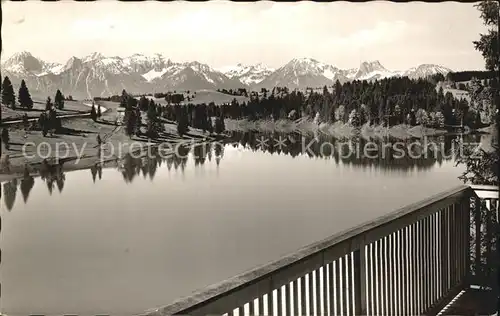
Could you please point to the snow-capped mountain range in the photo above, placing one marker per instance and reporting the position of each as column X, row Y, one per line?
column 248, row 75
column 98, row 75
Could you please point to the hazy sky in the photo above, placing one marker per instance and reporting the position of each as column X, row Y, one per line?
column 222, row 33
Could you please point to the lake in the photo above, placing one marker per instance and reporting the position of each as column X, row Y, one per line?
column 120, row 241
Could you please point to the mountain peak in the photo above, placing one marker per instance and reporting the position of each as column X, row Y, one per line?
column 93, row 56
column 425, row 70
column 304, row 60
column 372, row 70
column 23, row 62
column 72, row 62
column 372, row 65
column 431, row 66
column 23, row 54
column 19, row 57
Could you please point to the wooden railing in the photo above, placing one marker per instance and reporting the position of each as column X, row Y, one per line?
column 410, row 262
column 484, row 235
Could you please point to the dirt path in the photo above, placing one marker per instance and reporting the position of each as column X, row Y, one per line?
column 70, row 107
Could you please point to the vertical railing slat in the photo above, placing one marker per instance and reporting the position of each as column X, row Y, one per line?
column 489, row 239
column 384, row 276
column 345, row 284
column 317, row 294
column 311, row 293
column 453, row 244
column 442, row 249
column 459, row 245
column 397, row 286
column 279, row 301
column 331, row 281
column 270, row 304
column 338, row 286
column 379, row 278
column 467, row 228
column 414, row 268
column 370, row 278
column 462, row 243
column 295, row 309
column 260, row 306
column 325, row 289
column 251, row 308
column 239, row 311
column 421, row 262
column 477, row 237
column 360, row 286
column 288, row 300
column 432, row 261
column 303, row 296
column 403, row 273
column 390, row 275
column 449, row 243
column 423, row 251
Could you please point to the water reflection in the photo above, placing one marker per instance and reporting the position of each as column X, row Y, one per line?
column 389, row 154
column 382, row 155
column 27, row 184
column 53, row 174
column 96, row 170
column 131, row 167
column 9, row 190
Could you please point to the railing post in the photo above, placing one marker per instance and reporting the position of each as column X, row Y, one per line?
column 498, row 258
column 360, row 281
column 477, row 237
column 467, row 211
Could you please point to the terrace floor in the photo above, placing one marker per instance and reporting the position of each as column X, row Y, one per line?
column 473, row 302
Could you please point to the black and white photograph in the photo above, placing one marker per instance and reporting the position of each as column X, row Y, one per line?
column 258, row 158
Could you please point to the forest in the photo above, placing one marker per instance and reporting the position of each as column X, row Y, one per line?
column 468, row 75
column 386, row 102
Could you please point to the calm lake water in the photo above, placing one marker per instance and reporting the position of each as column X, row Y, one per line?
column 119, row 242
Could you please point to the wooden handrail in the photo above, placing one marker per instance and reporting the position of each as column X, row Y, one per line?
column 245, row 287
column 481, row 187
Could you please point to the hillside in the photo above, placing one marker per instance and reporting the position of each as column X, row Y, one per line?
column 203, row 96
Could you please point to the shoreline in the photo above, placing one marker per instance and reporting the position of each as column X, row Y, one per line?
column 338, row 130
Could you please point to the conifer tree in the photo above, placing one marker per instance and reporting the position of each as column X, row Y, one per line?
column 182, row 120
column 153, row 126
column 210, row 127
column 219, row 124
column 59, row 100
column 24, row 96
column 48, row 104
column 8, row 97
column 124, row 99
column 488, row 44
column 93, row 113
column 143, row 103
column 54, row 121
column 99, row 113
column 130, row 121
column 5, row 137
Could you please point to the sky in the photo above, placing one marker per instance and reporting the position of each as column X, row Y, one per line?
column 223, row 33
